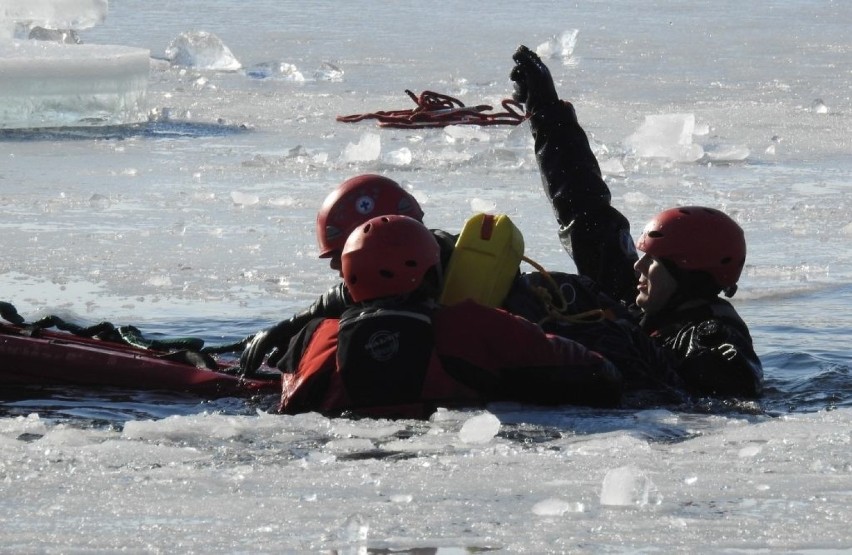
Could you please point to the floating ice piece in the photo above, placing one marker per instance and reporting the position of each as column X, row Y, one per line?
column 47, row 84
column 159, row 281
column 749, row 451
column 54, row 14
column 355, row 529
column 401, row 157
column 559, row 46
column 613, row 166
column 99, row 202
column 201, row 50
column 283, row 202
column 726, row 153
column 626, row 486
column 368, row 149
column 465, row 134
column 819, row 107
column 328, row 72
column 701, row 129
column 637, row 198
column 557, row 507
column 482, row 205
column 480, row 429
column 276, row 70
column 666, row 136
column 244, row 199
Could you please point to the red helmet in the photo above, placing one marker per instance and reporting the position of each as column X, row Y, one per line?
column 387, row 256
column 697, row 238
column 354, row 202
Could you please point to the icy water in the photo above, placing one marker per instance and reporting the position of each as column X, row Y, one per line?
column 201, row 224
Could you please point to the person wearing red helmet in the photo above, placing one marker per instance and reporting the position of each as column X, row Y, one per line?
column 396, row 353
column 355, row 201
column 691, row 254
column 352, row 203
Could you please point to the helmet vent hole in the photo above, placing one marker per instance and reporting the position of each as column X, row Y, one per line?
column 654, row 234
column 411, row 263
column 726, row 260
column 386, row 274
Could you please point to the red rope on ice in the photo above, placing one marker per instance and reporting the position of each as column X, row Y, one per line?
column 439, row 110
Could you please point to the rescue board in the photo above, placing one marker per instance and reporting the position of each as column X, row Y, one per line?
column 56, row 358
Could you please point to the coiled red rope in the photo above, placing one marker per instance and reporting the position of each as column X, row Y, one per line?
column 440, row 110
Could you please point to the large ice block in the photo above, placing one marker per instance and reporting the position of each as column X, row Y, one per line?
column 46, row 84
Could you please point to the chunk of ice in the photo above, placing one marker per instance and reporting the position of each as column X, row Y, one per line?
column 666, row 136
column 401, row 157
column 627, row 486
column 54, row 14
column 276, row 70
column 726, row 153
column 47, row 84
column 480, row 429
column 244, row 199
column 557, row 507
column 559, row 46
column 201, row 50
column 465, row 134
column 368, row 149
column 482, row 205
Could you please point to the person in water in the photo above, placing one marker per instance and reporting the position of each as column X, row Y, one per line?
column 690, row 254
column 396, row 352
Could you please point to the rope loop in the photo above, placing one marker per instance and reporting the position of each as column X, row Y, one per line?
column 555, row 304
column 440, row 110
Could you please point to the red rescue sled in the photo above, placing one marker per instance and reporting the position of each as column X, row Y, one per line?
column 54, row 358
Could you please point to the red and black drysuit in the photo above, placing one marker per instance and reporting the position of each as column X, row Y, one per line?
column 397, row 360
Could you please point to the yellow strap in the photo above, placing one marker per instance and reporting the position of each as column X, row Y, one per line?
column 557, row 312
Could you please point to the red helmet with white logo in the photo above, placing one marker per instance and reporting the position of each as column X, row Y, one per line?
column 696, row 238
column 388, row 256
column 354, row 202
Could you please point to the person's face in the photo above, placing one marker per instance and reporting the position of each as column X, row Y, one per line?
column 656, row 285
column 335, row 264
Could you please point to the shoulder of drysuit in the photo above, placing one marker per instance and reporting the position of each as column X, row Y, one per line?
column 709, row 315
column 330, row 304
column 714, row 347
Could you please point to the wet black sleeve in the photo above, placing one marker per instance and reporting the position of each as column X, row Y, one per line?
column 596, row 235
column 718, row 359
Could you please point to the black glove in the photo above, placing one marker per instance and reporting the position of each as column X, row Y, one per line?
column 533, row 83
column 10, row 314
column 264, row 341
